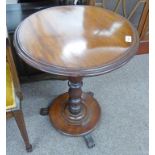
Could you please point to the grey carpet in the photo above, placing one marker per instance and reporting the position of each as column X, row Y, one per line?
column 123, row 130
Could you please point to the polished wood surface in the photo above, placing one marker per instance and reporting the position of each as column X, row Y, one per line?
column 75, row 124
column 76, row 40
column 136, row 13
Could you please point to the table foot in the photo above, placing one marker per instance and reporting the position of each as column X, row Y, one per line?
column 44, row 111
column 89, row 141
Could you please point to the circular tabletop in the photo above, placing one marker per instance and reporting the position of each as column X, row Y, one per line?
column 76, row 40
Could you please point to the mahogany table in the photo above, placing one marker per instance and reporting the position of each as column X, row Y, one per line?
column 76, row 42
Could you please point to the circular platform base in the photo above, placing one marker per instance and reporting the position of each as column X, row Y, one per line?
column 72, row 125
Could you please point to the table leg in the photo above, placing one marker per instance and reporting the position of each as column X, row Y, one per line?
column 75, row 113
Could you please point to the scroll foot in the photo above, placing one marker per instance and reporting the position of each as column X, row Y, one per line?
column 89, row 141
column 44, row 111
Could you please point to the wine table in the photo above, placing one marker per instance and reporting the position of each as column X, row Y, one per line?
column 76, row 42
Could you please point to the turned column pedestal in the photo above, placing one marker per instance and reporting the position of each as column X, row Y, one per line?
column 75, row 113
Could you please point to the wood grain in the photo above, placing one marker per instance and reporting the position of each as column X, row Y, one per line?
column 75, row 125
column 76, row 40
